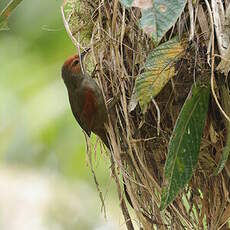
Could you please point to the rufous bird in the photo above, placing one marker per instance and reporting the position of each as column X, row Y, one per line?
column 86, row 101
column 85, row 97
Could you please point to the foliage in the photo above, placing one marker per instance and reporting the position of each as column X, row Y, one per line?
column 159, row 69
column 136, row 60
column 157, row 16
column 184, row 145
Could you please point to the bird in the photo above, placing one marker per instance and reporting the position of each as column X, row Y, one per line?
column 87, row 101
column 85, row 97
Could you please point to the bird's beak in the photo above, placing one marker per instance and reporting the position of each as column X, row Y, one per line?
column 84, row 53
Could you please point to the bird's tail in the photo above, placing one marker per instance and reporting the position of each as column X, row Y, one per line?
column 102, row 134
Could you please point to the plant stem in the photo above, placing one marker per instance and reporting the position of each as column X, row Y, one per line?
column 8, row 9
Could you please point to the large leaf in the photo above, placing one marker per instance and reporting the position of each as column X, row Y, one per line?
column 225, row 96
column 159, row 69
column 158, row 16
column 143, row 4
column 184, row 144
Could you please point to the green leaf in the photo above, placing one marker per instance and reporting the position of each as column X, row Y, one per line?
column 127, row 3
column 158, row 16
column 161, row 17
column 184, row 144
column 159, row 69
column 143, row 4
column 225, row 96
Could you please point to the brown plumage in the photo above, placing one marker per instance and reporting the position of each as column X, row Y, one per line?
column 86, row 99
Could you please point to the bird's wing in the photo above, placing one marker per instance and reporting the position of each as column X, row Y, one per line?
column 84, row 107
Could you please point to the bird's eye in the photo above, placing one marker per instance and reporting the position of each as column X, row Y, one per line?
column 75, row 62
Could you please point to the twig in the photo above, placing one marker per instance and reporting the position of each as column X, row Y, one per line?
column 77, row 44
column 218, row 19
column 203, row 22
column 124, row 209
column 213, row 63
column 115, row 10
column 192, row 24
column 158, row 116
column 8, row 9
column 89, row 157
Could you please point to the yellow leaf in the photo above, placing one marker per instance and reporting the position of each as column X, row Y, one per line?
column 159, row 68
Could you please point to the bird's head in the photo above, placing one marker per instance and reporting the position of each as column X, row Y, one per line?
column 72, row 68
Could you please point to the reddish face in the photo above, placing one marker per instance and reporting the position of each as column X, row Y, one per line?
column 72, row 65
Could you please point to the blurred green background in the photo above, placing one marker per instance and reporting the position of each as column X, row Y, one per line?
column 41, row 146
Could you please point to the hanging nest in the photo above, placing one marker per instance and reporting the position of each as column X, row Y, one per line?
column 139, row 140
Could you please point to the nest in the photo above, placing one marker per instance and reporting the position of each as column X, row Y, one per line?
column 138, row 152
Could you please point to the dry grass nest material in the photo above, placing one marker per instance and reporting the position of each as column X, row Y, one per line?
column 118, row 52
